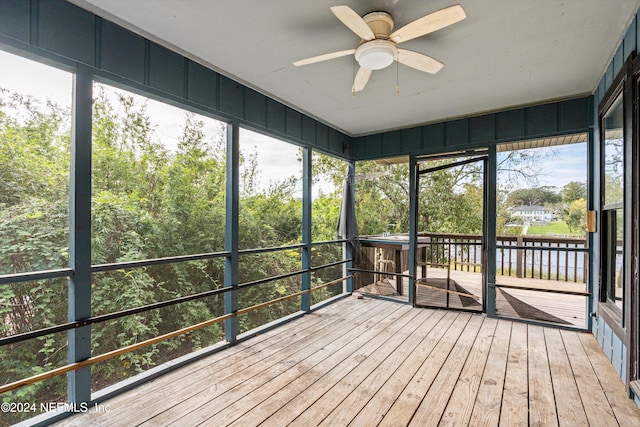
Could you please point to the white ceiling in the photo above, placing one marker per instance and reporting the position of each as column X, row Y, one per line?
column 506, row 53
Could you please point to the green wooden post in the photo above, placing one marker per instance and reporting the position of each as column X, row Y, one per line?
column 413, row 226
column 231, row 230
column 79, row 297
column 305, row 301
column 348, row 251
column 490, row 230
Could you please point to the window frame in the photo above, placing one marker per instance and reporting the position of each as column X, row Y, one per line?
column 616, row 318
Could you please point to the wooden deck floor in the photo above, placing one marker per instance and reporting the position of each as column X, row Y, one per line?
column 513, row 303
column 366, row 362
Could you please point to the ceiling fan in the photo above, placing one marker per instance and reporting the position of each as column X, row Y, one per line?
column 378, row 46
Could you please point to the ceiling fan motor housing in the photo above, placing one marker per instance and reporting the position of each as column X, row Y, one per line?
column 380, row 23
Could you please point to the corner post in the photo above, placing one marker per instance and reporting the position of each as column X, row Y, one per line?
column 491, row 184
column 305, row 301
column 413, row 226
column 348, row 251
column 79, row 297
column 231, row 230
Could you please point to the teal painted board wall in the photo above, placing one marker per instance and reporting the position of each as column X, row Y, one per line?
column 60, row 27
column 121, row 51
column 555, row 118
column 14, row 19
column 612, row 347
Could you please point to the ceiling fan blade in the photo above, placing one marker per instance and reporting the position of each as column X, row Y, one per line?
column 353, row 21
column 419, row 61
column 429, row 23
column 324, row 57
column 362, row 77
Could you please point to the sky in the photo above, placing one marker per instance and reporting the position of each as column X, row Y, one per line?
column 558, row 166
column 277, row 160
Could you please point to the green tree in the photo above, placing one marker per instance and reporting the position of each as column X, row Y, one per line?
column 148, row 201
column 573, row 191
column 34, row 184
column 545, row 195
column 574, row 215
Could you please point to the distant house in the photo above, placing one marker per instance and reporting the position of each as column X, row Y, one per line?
column 533, row 213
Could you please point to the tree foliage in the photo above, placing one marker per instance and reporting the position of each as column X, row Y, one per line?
column 573, row 191
column 574, row 215
column 533, row 196
column 149, row 200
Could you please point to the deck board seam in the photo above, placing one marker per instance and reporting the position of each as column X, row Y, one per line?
column 480, row 374
column 390, row 355
column 355, row 351
column 448, row 353
column 342, row 336
column 274, row 355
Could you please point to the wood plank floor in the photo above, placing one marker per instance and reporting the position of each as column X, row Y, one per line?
column 512, row 303
column 366, row 362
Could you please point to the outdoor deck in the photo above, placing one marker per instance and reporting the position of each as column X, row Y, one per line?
column 371, row 362
column 549, row 307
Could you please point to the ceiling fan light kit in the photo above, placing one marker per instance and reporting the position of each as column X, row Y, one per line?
column 378, row 45
column 376, row 54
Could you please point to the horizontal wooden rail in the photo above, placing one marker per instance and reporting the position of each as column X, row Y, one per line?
column 472, row 264
column 543, row 248
column 119, row 352
column 432, row 264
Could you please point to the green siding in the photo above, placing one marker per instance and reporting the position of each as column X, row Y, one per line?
column 432, row 135
column 322, row 136
column 166, row 70
column 255, row 107
column 66, row 30
column 411, row 139
column 511, row 124
column 203, row 85
column 294, row 123
column 231, row 97
column 545, row 120
column 15, row 19
column 308, row 129
column 276, row 116
column 541, row 120
column 483, row 129
column 121, row 52
column 456, row 133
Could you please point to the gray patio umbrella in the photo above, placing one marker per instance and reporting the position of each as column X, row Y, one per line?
column 347, row 227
